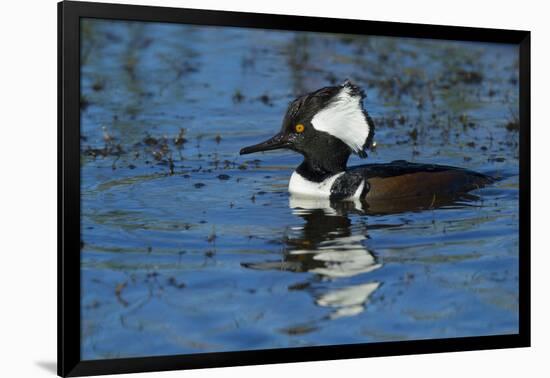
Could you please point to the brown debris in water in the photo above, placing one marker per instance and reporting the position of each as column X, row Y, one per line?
column 118, row 293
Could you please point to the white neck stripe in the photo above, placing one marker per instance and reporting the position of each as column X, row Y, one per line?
column 300, row 186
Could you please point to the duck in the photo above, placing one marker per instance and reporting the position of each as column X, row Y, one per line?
column 330, row 124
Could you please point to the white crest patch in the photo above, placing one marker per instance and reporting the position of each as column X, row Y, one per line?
column 343, row 118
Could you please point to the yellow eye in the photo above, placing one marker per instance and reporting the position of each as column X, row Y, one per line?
column 299, row 128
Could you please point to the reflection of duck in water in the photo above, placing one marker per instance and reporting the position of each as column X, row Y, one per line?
column 329, row 246
column 330, row 124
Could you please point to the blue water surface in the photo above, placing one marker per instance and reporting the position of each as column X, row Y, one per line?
column 188, row 247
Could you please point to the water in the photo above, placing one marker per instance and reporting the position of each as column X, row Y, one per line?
column 188, row 247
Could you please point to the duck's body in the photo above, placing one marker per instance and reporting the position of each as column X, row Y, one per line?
column 396, row 180
column 330, row 124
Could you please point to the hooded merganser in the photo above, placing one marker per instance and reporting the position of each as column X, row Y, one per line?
column 327, row 126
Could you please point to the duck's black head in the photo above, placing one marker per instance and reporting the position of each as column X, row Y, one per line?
column 325, row 126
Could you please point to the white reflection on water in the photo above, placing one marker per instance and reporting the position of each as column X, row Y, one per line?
column 342, row 256
column 348, row 301
column 327, row 246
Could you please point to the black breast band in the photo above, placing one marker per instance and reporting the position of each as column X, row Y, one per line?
column 347, row 184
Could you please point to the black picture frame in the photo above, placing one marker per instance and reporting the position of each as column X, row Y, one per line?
column 69, row 15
